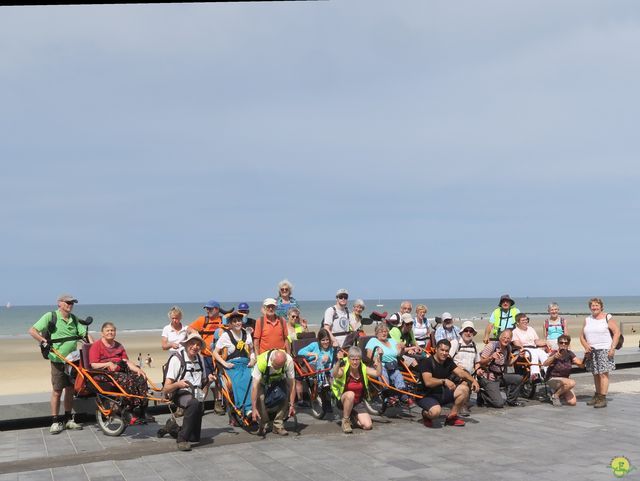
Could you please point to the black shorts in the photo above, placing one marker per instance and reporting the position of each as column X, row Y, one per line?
column 435, row 399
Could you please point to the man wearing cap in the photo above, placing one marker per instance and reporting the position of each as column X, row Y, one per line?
column 184, row 383
column 503, row 317
column 336, row 319
column 206, row 327
column 272, row 390
column 447, row 330
column 270, row 331
column 394, row 319
column 465, row 354
column 247, row 322
column 60, row 324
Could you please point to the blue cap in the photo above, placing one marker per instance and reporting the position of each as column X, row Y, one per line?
column 243, row 306
column 211, row 304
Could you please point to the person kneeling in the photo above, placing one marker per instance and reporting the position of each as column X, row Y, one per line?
column 439, row 389
column 273, row 390
column 351, row 385
column 559, row 370
column 184, row 383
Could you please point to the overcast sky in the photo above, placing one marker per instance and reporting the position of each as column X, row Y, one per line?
column 421, row 149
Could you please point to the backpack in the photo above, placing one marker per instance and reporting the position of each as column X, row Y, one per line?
column 620, row 339
column 182, row 371
column 563, row 325
column 51, row 328
column 334, row 317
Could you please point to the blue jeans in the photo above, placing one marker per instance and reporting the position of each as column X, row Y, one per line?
column 394, row 377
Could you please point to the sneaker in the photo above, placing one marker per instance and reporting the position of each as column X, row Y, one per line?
column 346, row 426
column 454, row 421
column 218, row 408
column 303, row 404
column 71, row 424
column 410, row 403
column 56, row 428
column 392, row 401
column 184, row 446
column 556, row 401
column 280, row 431
column 262, row 432
column 428, row 423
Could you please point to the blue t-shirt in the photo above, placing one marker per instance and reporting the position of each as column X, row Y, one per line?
column 389, row 354
column 282, row 308
column 314, row 348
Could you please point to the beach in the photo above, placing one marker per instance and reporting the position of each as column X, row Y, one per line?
column 26, row 372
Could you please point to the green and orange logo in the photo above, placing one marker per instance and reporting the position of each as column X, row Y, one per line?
column 621, row 466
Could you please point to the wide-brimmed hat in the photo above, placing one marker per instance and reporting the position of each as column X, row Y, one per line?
column 191, row 337
column 506, row 297
column 467, row 325
column 234, row 314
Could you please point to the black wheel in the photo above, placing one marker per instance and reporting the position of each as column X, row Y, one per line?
column 527, row 390
column 112, row 425
column 316, row 401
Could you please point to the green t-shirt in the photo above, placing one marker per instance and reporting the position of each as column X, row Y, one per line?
column 396, row 334
column 64, row 328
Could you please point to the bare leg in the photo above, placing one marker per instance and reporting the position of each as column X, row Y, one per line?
column 68, row 398
column 364, row 421
column 347, row 403
column 55, row 402
column 460, row 396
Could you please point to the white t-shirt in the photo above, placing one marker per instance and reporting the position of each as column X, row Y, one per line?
column 174, row 336
column 194, row 369
column 340, row 323
column 225, row 341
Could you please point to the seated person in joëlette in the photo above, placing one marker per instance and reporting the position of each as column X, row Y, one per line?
column 108, row 354
column 559, row 365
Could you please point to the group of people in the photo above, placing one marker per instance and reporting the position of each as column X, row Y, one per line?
column 257, row 355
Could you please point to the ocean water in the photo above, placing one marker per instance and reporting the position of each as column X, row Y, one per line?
column 16, row 320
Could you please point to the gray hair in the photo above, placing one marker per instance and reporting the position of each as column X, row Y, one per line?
column 175, row 310
column 552, row 305
column 285, row 283
column 354, row 351
column 293, row 310
column 358, row 302
column 381, row 326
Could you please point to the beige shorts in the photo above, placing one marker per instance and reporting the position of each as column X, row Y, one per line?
column 556, row 382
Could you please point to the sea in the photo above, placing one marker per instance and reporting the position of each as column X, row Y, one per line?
column 16, row 320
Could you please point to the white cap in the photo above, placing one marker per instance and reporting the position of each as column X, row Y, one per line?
column 406, row 318
column 342, row 291
column 270, row 301
column 446, row 315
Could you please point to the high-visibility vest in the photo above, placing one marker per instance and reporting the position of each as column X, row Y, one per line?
column 337, row 387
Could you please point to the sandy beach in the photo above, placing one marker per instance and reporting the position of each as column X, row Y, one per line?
column 26, row 372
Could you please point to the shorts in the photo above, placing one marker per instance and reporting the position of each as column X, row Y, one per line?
column 59, row 378
column 555, row 383
column 359, row 408
column 436, row 399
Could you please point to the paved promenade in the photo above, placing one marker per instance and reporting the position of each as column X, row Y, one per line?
column 538, row 442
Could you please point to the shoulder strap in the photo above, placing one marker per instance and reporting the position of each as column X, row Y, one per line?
column 563, row 323
column 546, row 326
column 335, row 313
column 51, row 327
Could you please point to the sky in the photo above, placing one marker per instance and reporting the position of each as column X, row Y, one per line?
column 419, row 149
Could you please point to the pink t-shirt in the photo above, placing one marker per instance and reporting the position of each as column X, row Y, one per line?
column 526, row 338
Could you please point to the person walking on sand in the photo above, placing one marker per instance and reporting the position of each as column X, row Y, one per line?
column 64, row 326
column 148, row 360
column 140, row 360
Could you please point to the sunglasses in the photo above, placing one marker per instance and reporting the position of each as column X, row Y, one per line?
column 342, row 296
column 270, row 306
column 471, row 331
column 294, row 316
column 563, row 342
column 284, row 289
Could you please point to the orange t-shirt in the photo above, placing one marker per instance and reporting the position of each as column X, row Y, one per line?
column 271, row 334
column 206, row 330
